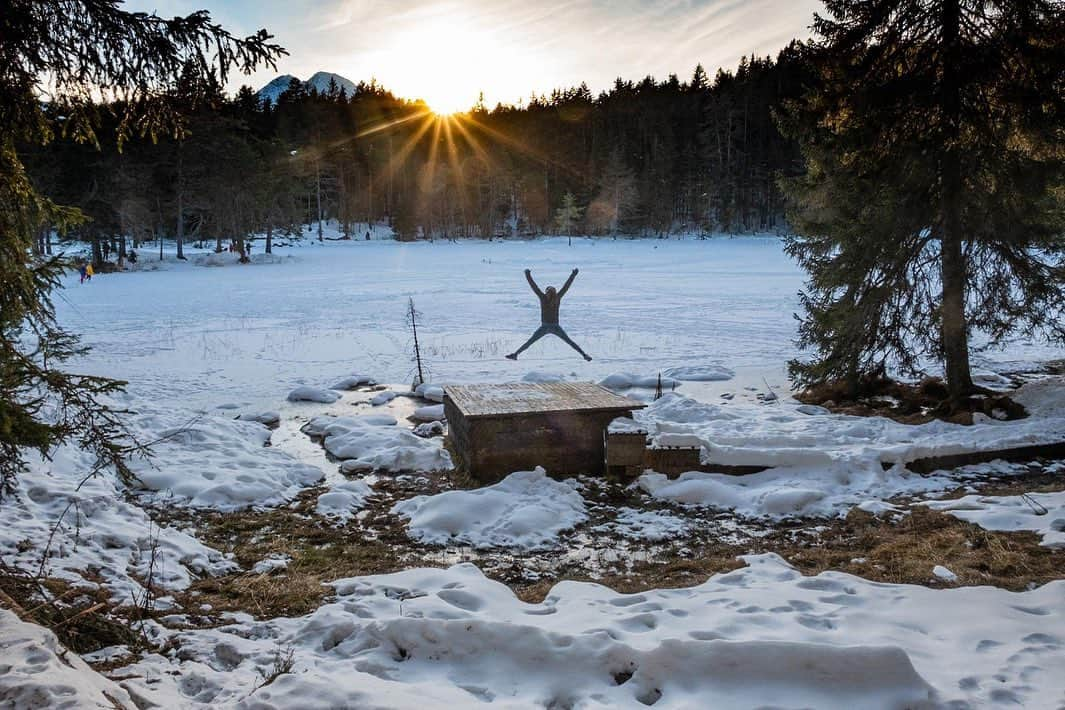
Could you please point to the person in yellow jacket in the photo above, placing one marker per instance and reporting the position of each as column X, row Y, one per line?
column 88, row 271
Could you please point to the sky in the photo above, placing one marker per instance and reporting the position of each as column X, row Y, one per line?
column 447, row 52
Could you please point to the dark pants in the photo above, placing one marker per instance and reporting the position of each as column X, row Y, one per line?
column 550, row 329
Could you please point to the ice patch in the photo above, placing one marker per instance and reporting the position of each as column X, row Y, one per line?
column 433, row 393
column 626, row 380
column 526, row 510
column 700, row 373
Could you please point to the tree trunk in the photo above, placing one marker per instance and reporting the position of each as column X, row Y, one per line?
column 269, row 239
column 318, row 194
column 180, row 234
column 954, row 329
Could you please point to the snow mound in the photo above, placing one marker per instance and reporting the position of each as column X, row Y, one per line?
column 627, row 380
column 306, row 393
column 370, row 443
column 1012, row 514
column 343, row 499
column 526, row 510
column 268, row 418
column 37, row 672
column 433, row 393
column 383, row 398
column 96, row 528
column 763, row 635
column 218, row 463
column 430, row 413
column 699, row 373
column 350, row 383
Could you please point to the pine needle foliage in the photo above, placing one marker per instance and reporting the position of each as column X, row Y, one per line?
column 933, row 205
column 60, row 62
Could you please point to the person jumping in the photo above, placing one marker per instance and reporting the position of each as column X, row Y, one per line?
column 549, row 303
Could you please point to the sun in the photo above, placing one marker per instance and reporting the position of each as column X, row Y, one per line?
column 447, row 61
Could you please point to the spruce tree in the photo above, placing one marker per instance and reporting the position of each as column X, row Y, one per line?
column 933, row 204
column 84, row 50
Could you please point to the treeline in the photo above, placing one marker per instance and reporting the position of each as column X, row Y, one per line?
column 644, row 158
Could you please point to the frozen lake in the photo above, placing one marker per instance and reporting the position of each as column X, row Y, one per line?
column 204, row 336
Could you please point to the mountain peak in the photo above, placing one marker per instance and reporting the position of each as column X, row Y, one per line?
column 319, row 82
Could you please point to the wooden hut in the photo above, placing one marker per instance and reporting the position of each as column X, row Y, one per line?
column 496, row 429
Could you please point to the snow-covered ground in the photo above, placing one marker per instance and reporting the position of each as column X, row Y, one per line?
column 233, row 369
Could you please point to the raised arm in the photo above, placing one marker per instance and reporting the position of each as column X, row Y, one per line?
column 535, row 288
column 569, row 282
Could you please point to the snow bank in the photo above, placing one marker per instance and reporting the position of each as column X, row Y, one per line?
column 343, row 500
column 374, row 443
column 214, row 462
column 526, row 510
column 700, row 373
column 97, row 529
column 825, row 464
column 763, row 635
column 383, row 398
column 37, row 672
column 1012, row 514
column 306, row 393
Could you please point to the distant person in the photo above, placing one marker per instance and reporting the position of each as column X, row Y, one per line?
column 549, row 304
column 367, row 236
column 82, row 272
column 132, row 257
column 88, row 271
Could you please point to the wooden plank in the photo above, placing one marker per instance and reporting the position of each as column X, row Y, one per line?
column 514, row 399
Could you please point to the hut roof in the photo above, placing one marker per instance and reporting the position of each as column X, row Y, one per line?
column 504, row 400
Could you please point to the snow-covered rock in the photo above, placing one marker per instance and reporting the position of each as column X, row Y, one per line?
column 369, row 443
column 306, row 393
column 526, row 510
column 942, row 573
column 36, row 671
column 429, row 429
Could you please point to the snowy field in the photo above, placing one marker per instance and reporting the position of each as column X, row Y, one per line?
column 259, row 383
